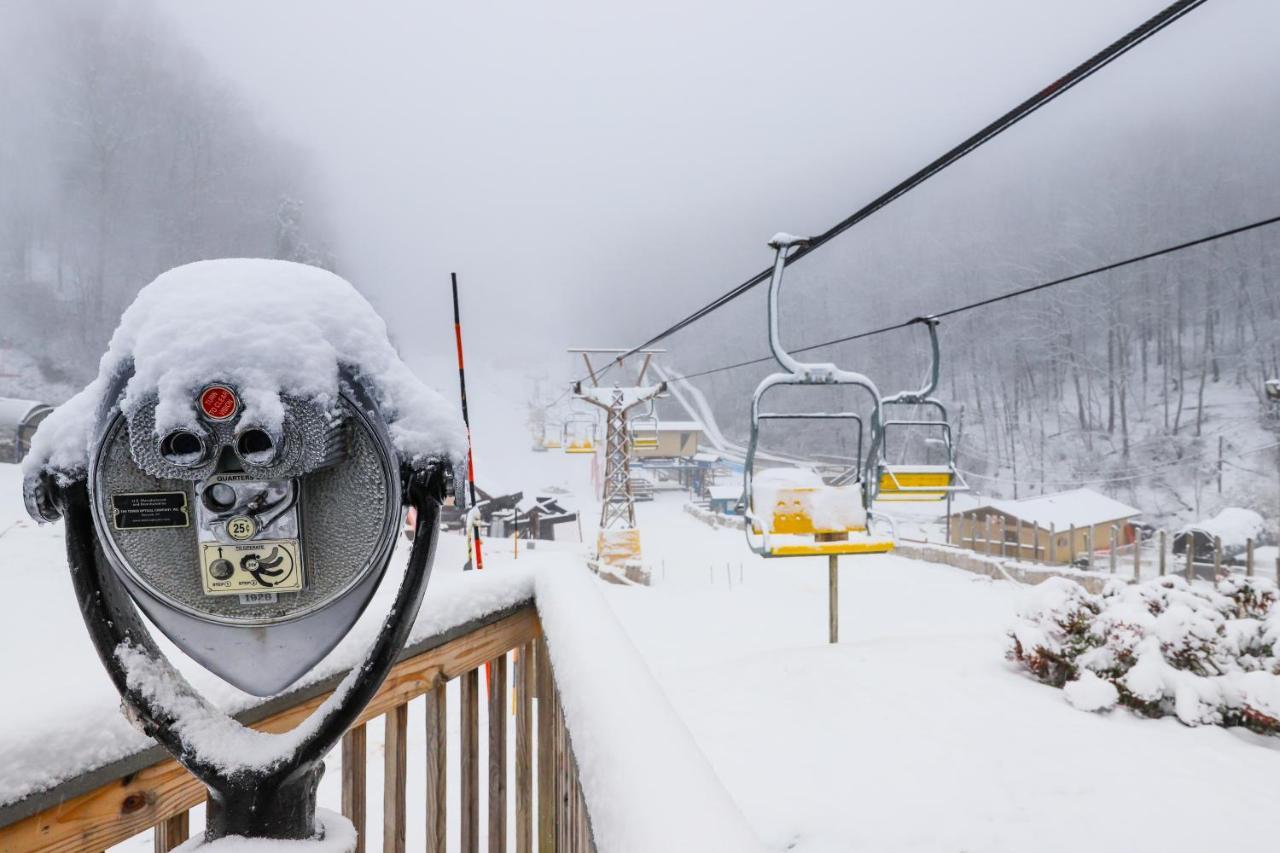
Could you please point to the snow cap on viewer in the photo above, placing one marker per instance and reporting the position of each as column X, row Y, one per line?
column 266, row 327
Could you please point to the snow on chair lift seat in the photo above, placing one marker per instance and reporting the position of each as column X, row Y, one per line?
column 793, row 512
column 917, row 481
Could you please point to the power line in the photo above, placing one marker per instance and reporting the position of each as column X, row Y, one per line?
column 1064, row 83
column 982, row 303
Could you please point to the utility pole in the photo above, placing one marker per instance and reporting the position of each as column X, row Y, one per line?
column 1272, row 387
column 1219, row 464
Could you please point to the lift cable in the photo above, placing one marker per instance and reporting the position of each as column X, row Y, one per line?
column 1082, row 71
column 982, row 303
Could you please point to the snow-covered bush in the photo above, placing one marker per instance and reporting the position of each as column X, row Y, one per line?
column 1209, row 655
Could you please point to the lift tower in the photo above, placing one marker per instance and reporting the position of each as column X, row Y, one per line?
column 618, row 542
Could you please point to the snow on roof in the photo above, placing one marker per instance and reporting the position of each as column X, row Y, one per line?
column 268, row 328
column 680, row 426
column 704, row 456
column 1079, row 507
column 14, row 411
column 725, row 493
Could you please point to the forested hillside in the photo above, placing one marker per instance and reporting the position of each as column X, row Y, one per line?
column 123, row 154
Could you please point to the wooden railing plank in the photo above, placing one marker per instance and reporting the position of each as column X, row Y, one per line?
column 469, row 782
column 395, row 816
column 354, row 768
column 497, row 703
column 109, row 815
column 437, row 768
column 524, row 675
column 135, row 803
column 171, row 832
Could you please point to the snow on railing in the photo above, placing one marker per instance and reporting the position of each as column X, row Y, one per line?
column 600, row 759
column 646, row 783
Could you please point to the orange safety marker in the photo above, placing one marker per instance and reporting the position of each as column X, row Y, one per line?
column 466, row 422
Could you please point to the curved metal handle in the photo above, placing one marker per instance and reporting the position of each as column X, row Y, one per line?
column 113, row 623
column 935, row 367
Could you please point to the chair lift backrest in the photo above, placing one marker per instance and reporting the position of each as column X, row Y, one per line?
column 795, row 510
column 578, row 433
column 644, row 429
column 916, row 482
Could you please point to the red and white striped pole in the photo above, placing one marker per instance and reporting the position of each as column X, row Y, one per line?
column 466, row 422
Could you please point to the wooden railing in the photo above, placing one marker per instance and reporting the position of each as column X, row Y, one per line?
column 150, row 792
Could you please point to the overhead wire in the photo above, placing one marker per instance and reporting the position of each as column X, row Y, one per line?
column 1043, row 96
column 1003, row 297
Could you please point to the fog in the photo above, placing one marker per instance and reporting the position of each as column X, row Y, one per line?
column 594, row 173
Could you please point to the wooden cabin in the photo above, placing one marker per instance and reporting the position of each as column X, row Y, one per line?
column 1056, row 528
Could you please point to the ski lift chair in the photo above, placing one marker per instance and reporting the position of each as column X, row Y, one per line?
column 579, row 433
column 917, row 481
column 790, row 512
column 551, row 438
column 644, row 430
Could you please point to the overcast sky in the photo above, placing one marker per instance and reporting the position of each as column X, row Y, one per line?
column 593, row 170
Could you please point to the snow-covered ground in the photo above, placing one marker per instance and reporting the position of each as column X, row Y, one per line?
column 912, row 734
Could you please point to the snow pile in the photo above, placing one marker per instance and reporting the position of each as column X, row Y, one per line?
column 644, row 779
column 266, row 327
column 1207, row 655
column 788, row 490
column 337, row 835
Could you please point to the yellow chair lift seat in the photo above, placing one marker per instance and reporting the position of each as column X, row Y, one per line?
column 828, row 513
column 644, row 442
column 905, row 483
column 584, row 446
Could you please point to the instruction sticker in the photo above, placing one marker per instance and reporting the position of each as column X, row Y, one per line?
column 149, row 510
column 267, row 566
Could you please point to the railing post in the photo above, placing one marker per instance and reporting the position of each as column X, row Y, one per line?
column 1053, row 543
column 1248, row 557
column 395, row 815
column 1071, row 544
column 498, row 755
column 1189, row 540
column 1137, row 555
column 546, row 751
column 1162, row 553
column 524, row 748
column 437, row 766
column 1217, row 558
column 469, row 783
column 1111, row 546
column 1092, row 542
column 561, row 783
column 170, row 833
column 354, row 758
